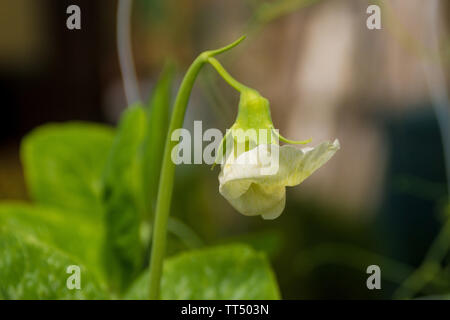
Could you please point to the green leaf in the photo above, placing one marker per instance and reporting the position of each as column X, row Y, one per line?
column 124, row 211
column 130, row 181
column 68, row 232
column 63, row 165
column 30, row 269
column 225, row 272
column 153, row 150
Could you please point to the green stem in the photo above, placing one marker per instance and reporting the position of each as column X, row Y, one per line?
column 168, row 169
column 240, row 87
column 430, row 267
column 226, row 76
column 290, row 141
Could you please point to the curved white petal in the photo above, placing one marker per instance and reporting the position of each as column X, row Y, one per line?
column 298, row 164
column 259, row 199
column 251, row 191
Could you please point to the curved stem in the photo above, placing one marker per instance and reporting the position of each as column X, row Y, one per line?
column 351, row 257
column 126, row 62
column 168, row 169
column 189, row 238
column 290, row 141
column 226, row 76
column 430, row 267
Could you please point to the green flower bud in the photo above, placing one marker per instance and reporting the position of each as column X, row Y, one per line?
column 253, row 125
column 253, row 112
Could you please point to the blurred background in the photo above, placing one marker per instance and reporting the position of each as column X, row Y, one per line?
column 383, row 198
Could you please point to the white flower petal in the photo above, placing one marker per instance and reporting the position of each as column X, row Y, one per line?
column 259, row 199
column 298, row 164
column 251, row 192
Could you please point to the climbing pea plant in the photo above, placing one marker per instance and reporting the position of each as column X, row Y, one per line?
column 93, row 190
column 101, row 203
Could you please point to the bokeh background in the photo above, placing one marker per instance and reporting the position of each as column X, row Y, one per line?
column 384, row 93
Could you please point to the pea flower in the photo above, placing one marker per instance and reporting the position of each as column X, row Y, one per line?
column 256, row 170
column 249, row 179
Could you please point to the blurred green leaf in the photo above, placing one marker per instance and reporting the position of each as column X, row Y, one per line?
column 225, row 272
column 124, row 211
column 153, row 149
column 30, row 269
column 68, row 232
column 130, row 183
column 63, row 165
